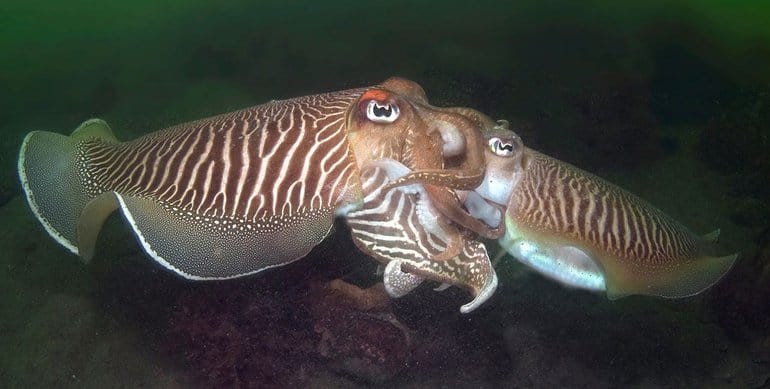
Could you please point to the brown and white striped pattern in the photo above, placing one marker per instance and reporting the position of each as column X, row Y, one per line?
column 277, row 159
column 395, row 225
column 559, row 198
column 388, row 226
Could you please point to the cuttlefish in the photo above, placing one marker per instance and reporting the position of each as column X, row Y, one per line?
column 400, row 226
column 241, row 192
column 585, row 232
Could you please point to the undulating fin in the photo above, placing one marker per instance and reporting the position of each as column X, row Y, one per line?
column 209, row 248
column 94, row 128
column 49, row 176
column 399, row 283
column 91, row 221
column 683, row 279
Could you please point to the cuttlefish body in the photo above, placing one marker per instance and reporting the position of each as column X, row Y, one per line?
column 257, row 188
column 585, row 232
column 401, row 227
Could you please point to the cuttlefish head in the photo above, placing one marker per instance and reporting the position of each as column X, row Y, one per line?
column 442, row 147
column 506, row 161
column 505, row 157
column 395, row 120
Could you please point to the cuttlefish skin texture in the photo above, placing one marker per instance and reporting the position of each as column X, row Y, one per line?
column 585, row 232
column 402, row 229
column 241, row 192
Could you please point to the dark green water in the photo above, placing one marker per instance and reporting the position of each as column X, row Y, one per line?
column 669, row 99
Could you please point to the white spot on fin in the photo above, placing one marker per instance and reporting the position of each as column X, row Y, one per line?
column 397, row 282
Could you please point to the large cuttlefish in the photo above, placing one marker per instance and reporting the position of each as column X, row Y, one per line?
column 585, row 232
column 253, row 189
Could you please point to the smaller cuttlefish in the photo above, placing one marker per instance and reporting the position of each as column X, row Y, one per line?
column 585, row 232
column 401, row 227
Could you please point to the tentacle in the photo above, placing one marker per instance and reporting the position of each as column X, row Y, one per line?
column 461, row 131
column 449, row 178
column 447, row 203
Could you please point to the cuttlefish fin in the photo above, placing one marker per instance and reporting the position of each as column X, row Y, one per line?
column 94, row 128
column 206, row 247
column 399, row 283
column 91, row 221
column 49, row 173
column 681, row 280
column 471, row 270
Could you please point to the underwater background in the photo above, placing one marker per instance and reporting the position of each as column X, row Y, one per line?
column 669, row 99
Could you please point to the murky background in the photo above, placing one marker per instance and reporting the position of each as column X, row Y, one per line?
column 668, row 99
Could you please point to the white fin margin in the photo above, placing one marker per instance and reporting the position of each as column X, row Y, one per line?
column 31, row 199
column 154, row 254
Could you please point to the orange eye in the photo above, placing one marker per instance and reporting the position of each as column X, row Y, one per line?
column 376, row 94
column 379, row 106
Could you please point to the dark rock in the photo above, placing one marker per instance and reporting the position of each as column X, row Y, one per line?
column 262, row 334
column 358, row 338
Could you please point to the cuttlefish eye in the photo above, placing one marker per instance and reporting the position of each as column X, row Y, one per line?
column 502, row 147
column 380, row 112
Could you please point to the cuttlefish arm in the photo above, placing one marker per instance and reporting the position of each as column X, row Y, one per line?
column 445, row 199
column 440, row 183
column 424, row 138
column 585, row 232
column 444, row 204
column 401, row 229
column 461, row 130
column 447, row 203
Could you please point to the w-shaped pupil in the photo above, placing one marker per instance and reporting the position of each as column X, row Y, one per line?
column 383, row 111
column 505, row 146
